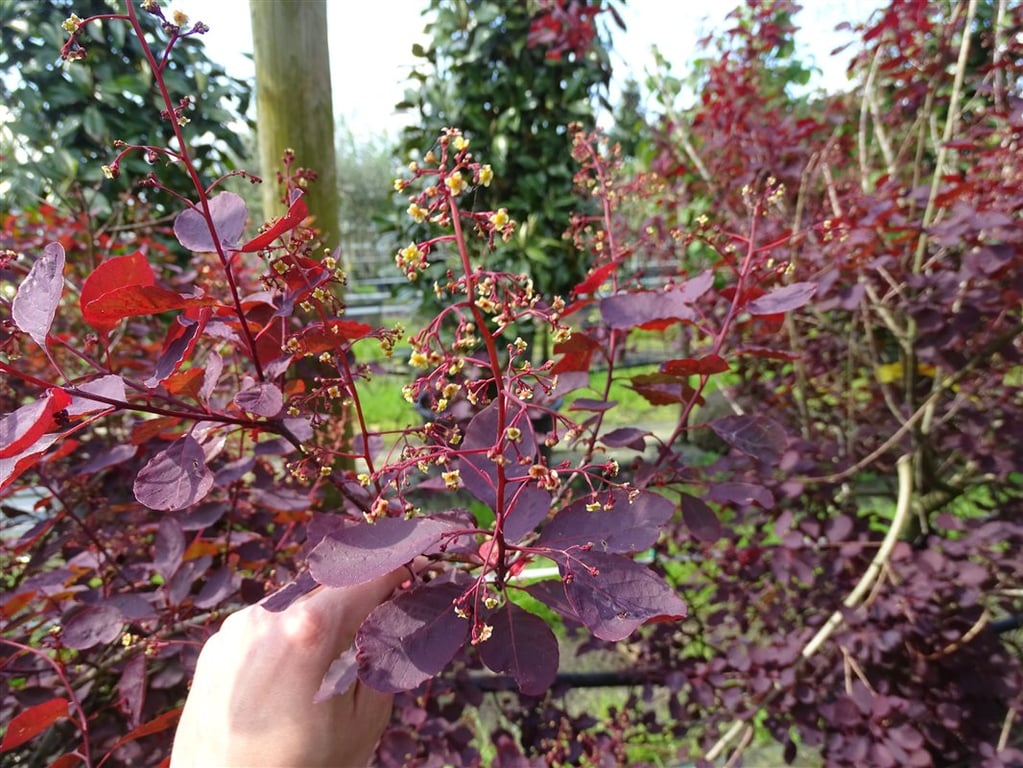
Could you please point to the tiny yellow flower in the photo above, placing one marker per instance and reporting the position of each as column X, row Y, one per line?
column 418, row 360
column 179, row 18
column 500, row 219
column 363, row 479
column 455, row 183
column 410, row 255
column 514, row 434
column 460, row 143
column 450, row 479
column 486, row 175
column 593, row 506
column 72, row 23
column 417, row 213
column 484, row 634
column 109, row 172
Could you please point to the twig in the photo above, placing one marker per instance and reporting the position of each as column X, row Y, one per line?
column 950, row 122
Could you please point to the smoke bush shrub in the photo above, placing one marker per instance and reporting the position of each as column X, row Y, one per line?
column 184, row 433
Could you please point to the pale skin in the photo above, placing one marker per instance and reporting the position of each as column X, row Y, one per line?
column 251, row 701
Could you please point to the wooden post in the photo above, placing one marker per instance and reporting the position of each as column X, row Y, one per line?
column 293, row 103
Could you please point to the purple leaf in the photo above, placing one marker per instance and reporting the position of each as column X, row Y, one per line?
column 169, row 547
column 278, row 498
column 757, row 436
column 552, row 594
column 39, row 294
column 743, row 494
column 523, row 646
column 228, row 212
column 591, row 404
column 211, row 375
column 180, row 344
column 617, row 595
column 303, row 584
column 783, row 299
column 700, row 519
column 525, row 504
column 132, row 688
column 219, row 586
column 116, row 455
column 341, row 674
column 87, row 625
column 625, row 527
column 626, row 437
column 629, row 310
column 411, row 638
column 110, row 387
column 358, row 553
column 261, row 398
column 175, row 478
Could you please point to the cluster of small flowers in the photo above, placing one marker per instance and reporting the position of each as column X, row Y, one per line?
column 73, row 50
column 450, row 171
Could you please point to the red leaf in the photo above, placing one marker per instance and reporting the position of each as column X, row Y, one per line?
column 109, row 276
column 578, row 353
column 305, row 274
column 33, row 721
column 595, row 279
column 39, row 294
column 784, row 299
column 12, row 468
column 23, row 427
column 133, row 300
column 695, row 366
column 185, row 382
column 295, row 216
column 765, row 352
column 156, row 725
column 66, row 761
column 182, row 335
column 661, row 389
column 324, row 337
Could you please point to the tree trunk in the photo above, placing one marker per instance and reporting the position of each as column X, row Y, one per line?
column 293, row 103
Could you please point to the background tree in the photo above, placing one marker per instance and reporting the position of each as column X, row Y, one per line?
column 61, row 121
column 294, row 105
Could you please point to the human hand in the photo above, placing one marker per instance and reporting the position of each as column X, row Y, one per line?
column 251, row 701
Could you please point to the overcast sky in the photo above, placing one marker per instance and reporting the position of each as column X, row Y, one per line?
column 370, row 44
